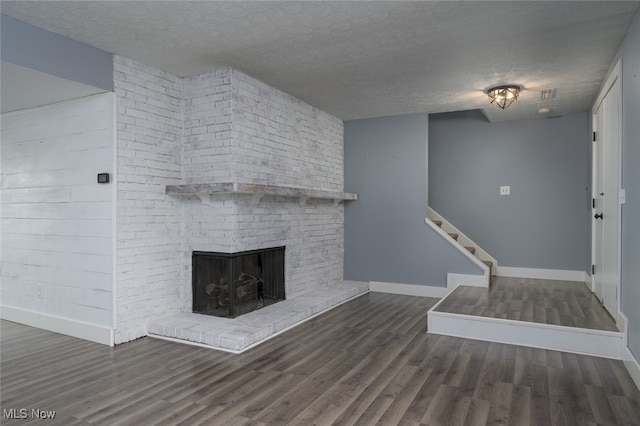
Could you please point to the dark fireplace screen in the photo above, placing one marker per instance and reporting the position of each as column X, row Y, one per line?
column 232, row 284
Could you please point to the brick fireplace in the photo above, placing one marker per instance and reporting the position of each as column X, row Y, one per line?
column 230, row 165
column 241, row 131
column 232, row 284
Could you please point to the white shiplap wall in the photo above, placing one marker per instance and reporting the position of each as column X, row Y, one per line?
column 56, row 222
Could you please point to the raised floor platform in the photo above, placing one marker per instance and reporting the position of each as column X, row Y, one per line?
column 239, row 334
column 558, row 315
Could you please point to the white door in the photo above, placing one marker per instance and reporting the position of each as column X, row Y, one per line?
column 606, row 207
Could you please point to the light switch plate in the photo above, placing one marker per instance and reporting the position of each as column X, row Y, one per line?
column 505, row 190
column 623, row 196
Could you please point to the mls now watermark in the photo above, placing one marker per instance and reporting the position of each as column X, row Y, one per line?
column 23, row 413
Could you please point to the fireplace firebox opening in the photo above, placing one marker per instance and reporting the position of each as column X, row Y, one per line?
column 232, row 284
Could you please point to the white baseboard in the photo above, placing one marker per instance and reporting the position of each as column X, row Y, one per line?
column 408, row 289
column 632, row 365
column 622, row 323
column 542, row 274
column 568, row 339
column 454, row 280
column 81, row 330
column 630, row 361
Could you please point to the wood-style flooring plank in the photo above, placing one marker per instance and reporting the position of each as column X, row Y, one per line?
column 564, row 303
column 520, row 410
column 369, row 361
column 442, row 408
column 500, row 404
column 477, row 412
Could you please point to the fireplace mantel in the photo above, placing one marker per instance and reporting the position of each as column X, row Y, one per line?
column 205, row 191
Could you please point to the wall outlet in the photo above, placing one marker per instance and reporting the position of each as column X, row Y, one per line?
column 40, row 291
column 505, row 190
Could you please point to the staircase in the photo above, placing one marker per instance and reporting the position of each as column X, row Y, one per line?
column 461, row 239
column 457, row 314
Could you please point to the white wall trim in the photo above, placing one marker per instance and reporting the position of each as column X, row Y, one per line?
column 408, row 289
column 633, row 367
column 588, row 281
column 454, row 280
column 463, row 240
column 114, row 218
column 553, row 337
column 463, row 279
column 543, row 274
column 484, row 268
column 622, row 323
column 629, row 360
column 612, row 78
column 81, row 330
column 615, row 74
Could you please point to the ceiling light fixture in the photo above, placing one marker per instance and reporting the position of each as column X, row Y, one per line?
column 503, row 96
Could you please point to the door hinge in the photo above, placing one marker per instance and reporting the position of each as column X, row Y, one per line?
column 594, row 136
column 593, row 269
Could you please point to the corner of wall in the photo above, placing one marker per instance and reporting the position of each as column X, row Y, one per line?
column 149, row 249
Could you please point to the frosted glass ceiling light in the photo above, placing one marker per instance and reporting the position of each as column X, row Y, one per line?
column 503, row 96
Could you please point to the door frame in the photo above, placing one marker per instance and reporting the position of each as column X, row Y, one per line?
column 615, row 75
column 596, row 227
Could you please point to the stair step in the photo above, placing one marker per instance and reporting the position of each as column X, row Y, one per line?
column 472, row 250
column 454, row 236
column 438, row 222
column 488, row 263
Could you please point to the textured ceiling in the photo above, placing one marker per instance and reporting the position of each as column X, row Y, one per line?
column 365, row 59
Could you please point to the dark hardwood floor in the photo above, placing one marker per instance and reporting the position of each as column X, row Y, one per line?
column 366, row 362
column 564, row 303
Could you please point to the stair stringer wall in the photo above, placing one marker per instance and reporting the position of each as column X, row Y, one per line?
column 453, row 279
column 463, row 241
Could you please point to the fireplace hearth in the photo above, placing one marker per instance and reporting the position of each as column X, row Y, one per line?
column 233, row 284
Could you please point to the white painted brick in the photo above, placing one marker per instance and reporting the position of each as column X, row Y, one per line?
column 279, row 154
column 221, row 126
column 149, row 263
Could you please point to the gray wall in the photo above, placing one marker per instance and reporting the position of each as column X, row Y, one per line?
column 32, row 47
column 544, row 222
column 386, row 239
column 630, row 289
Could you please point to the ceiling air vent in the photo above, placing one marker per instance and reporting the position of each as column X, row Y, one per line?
column 548, row 94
